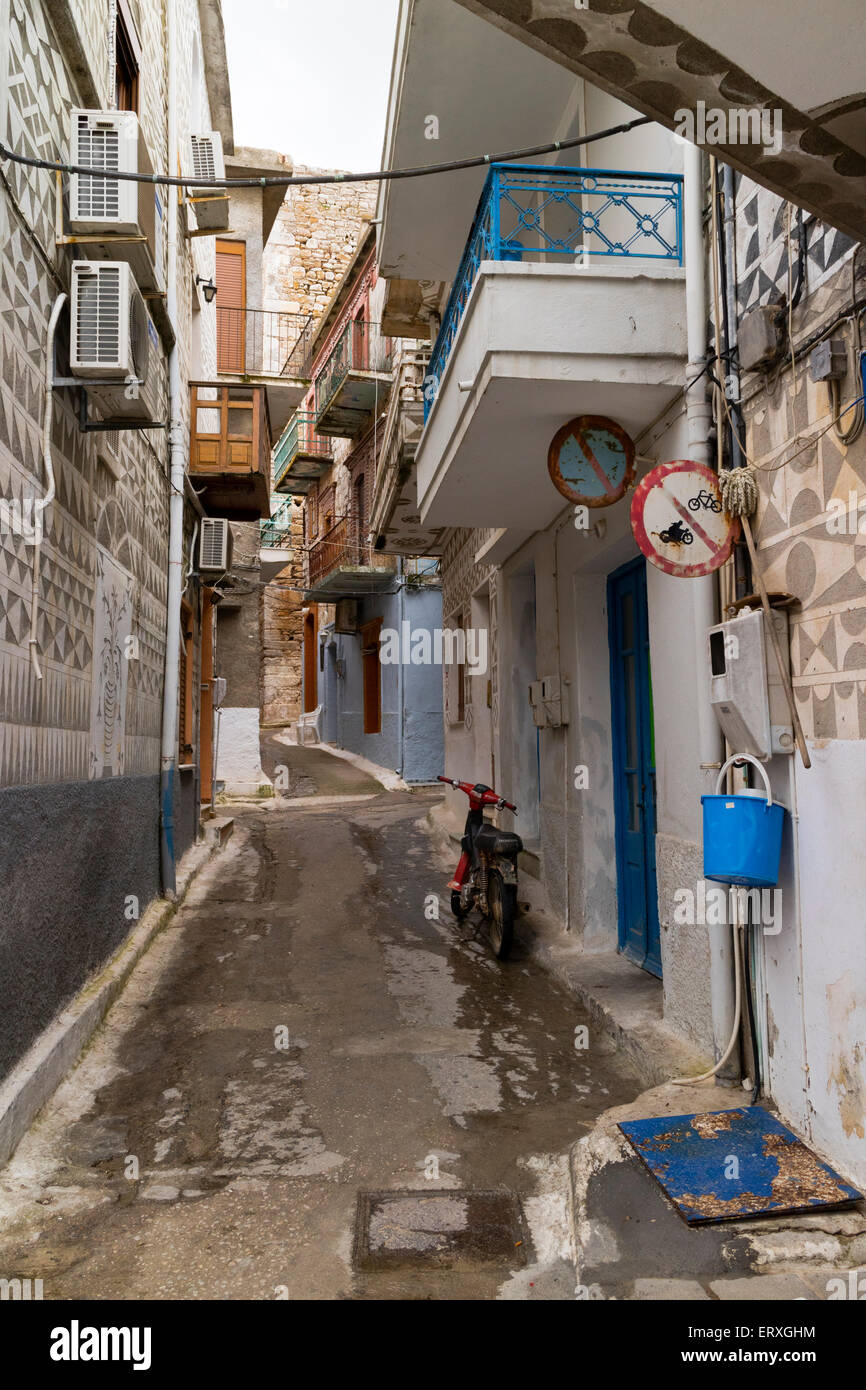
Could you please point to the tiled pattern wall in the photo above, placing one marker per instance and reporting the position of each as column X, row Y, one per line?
column 46, row 728
column 804, row 547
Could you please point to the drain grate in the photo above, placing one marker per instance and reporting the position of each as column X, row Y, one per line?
column 444, row 1229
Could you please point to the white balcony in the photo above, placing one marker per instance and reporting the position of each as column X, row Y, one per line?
column 570, row 300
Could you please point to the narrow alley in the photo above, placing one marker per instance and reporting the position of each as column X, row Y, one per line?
column 275, row 1055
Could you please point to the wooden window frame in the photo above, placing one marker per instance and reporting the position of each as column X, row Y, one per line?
column 127, row 60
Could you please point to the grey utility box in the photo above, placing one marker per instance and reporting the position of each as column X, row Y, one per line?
column 746, row 690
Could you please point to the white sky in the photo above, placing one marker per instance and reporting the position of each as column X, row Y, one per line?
column 309, row 78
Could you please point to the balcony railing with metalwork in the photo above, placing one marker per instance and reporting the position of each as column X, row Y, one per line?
column 263, row 343
column 361, row 347
column 544, row 214
column 276, row 532
column 344, row 547
column 300, row 441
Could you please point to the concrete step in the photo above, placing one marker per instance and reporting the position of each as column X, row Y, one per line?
column 219, row 829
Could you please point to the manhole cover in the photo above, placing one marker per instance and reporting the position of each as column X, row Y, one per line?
column 442, row 1229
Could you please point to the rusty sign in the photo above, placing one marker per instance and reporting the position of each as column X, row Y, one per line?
column 727, row 1164
column 591, row 461
column 678, row 520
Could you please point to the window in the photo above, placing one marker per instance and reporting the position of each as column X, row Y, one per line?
column 127, row 60
column 185, row 747
column 372, row 677
column 454, row 675
column 231, row 300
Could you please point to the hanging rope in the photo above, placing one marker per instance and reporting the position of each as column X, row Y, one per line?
column 739, row 489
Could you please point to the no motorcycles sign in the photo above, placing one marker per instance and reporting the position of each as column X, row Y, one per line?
column 678, row 520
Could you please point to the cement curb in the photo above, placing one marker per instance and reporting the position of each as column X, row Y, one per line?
column 55, row 1052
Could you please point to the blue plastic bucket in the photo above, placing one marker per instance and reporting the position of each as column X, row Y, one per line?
column 743, row 834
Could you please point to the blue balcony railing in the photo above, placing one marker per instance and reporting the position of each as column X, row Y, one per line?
column 546, row 214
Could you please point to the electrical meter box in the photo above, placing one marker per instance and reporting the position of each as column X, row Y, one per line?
column 548, row 700
column 746, row 689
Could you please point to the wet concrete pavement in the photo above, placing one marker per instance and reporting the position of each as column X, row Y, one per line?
column 306, row 1030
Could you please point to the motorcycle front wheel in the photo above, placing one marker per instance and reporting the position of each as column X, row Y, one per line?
column 502, row 906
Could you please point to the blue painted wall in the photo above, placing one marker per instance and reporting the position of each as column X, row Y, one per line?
column 342, row 696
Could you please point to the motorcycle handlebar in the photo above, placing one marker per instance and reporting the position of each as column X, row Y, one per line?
column 490, row 797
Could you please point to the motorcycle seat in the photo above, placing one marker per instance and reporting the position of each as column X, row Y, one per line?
column 491, row 840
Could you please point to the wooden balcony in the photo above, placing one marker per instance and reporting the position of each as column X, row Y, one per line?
column 230, row 450
column 341, row 564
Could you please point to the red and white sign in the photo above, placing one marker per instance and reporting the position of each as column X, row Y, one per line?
column 678, row 520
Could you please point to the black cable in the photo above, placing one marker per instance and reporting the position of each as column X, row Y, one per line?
column 295, row 181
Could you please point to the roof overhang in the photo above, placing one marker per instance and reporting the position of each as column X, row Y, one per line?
column 665, row 57
column 487, row 94
column 216, row 69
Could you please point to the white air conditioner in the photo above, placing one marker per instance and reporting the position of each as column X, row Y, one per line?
column 116, row 207
column 113, row 341
column 204, row 160
column 215, row 545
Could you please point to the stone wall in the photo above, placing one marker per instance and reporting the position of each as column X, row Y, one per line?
column 309, row 250
column 282, row 635
column 313, row 240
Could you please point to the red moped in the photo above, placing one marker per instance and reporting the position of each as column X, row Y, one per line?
column 486, row 875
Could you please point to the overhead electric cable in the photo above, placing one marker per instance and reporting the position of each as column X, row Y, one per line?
column 296, row 180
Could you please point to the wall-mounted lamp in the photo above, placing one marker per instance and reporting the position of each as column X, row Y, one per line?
column 208, row 288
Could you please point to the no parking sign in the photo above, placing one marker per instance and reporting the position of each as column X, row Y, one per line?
column 678, row 520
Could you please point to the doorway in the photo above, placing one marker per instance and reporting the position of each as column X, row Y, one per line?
column 311, row 665
column 634, row 771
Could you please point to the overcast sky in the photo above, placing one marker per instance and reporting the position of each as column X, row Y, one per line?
column 310, row 77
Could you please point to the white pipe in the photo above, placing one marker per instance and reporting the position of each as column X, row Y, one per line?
column 40, row 506
column 723, row 988
column 177, row 471
column 735, row 1031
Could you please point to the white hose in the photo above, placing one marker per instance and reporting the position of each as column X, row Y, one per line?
column 705, row 1076
column 40, row 506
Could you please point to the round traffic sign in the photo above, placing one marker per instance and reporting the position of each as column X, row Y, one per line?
column 678, row 520
column 591, row 461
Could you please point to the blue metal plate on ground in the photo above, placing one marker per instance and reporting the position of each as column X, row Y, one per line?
column 734, row 1163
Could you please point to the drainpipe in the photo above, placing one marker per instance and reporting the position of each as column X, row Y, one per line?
column 699, row 417
column 167, row 854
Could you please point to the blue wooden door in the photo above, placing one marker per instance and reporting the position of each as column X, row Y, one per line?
column 633, row 766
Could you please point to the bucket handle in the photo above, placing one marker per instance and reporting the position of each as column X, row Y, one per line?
column 747, row 758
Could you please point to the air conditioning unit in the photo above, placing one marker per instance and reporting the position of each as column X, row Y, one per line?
column 115, row 207
column 215, row 546
column 346, row 615
column 113, row 341
column 204, row 160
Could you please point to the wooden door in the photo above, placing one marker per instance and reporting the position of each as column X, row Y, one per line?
column 311, row 666
column 231, row 301
column 634, row 766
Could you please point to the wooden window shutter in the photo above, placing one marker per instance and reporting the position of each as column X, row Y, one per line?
column 231, row 300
